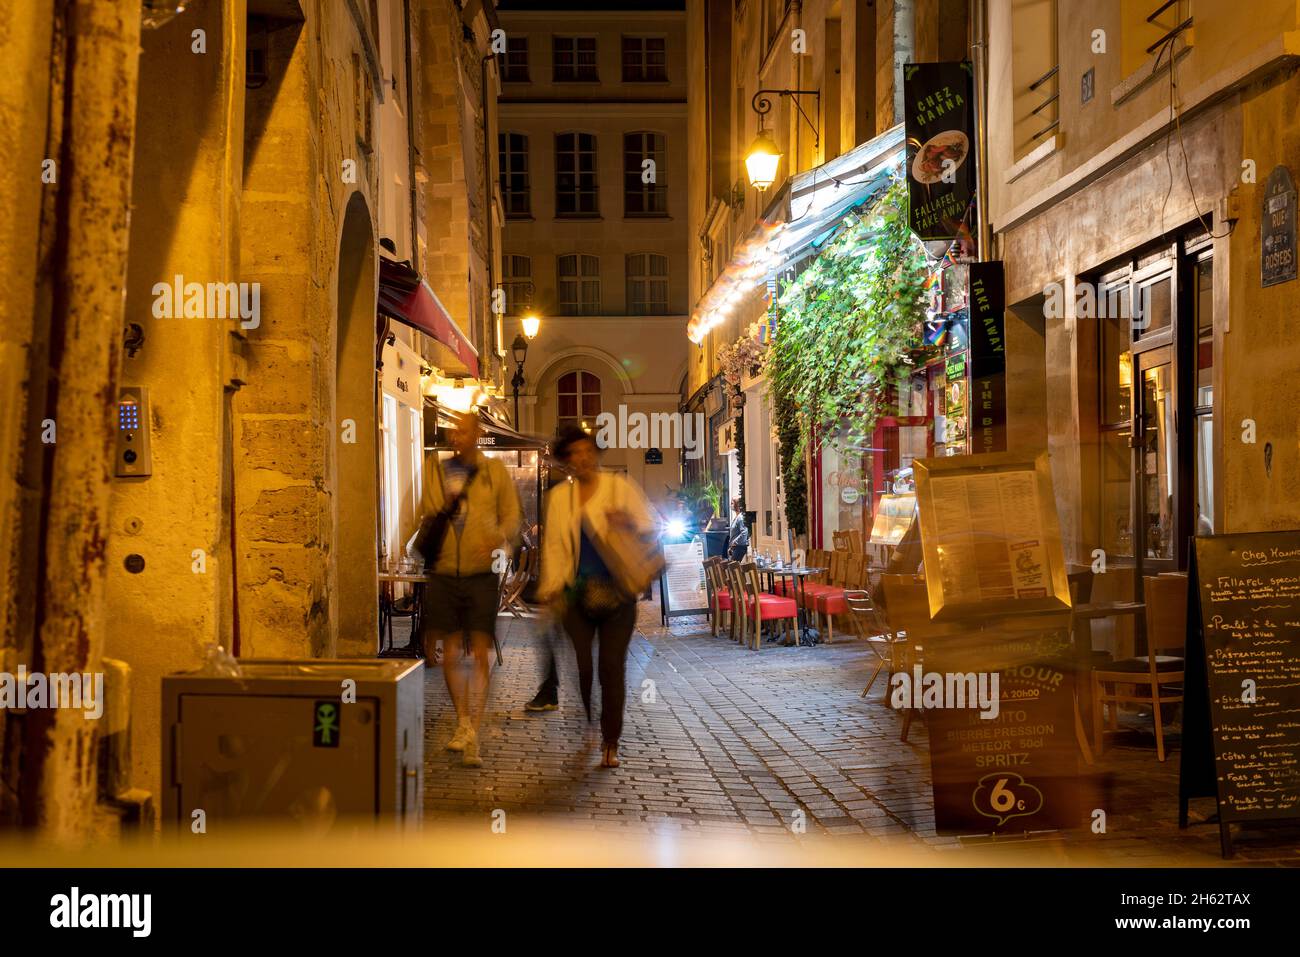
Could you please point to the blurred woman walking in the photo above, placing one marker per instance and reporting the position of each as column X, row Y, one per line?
column 599, row 551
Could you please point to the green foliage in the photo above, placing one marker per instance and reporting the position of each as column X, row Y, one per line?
column 699, row 497
column 848, row 323
column 794, row 479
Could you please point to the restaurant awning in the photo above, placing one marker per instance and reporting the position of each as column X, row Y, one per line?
column 495, row 435
column 820, row 198
column 808, row 213
column 406, row 297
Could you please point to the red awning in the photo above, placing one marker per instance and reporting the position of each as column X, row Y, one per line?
column 406, row 297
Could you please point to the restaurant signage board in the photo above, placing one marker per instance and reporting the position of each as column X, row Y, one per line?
column 1277, row 263
column 990, row 535
column 1241, row 735
column 940, row 126
column 682, row 586
column 1019, row 770
column 988, row 361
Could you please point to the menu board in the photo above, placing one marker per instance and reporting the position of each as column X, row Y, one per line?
column 990, row 534
column 893, row 518
column 682, row 587
column 1017, row 771
column 1243, row 676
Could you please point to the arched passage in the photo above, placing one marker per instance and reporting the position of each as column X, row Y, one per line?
column 354, row 598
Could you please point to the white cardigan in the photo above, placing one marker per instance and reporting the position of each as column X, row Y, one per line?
column 561, row 534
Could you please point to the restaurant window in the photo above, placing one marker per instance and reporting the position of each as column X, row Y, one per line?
column 645, row 190
column 513, row 151
column 575, row 175
column 1116, row 413
column 647, row 284
column 644, row 60
column 516, row 66
column 577, row 396
column 573, row 60
column 415, row 423
column 392, row 482
column 578, row 281
column 517, row 281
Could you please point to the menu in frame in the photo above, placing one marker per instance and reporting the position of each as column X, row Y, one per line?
column 990, row 534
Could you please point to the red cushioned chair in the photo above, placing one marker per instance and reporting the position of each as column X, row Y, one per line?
column 832, row 601
column 761, row 606
column 719, row 595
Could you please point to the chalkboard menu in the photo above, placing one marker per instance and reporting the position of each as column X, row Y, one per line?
column 1243, row 677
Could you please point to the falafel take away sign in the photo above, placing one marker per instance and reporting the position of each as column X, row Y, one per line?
column 940, row 123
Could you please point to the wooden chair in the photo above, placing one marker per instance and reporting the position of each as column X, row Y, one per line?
column 1166, row 618
column 736, row 590
column 514, row 582
column 869, row 623
column 761, row 606
column 907, row 610
column 833, row 600
column 720, row 604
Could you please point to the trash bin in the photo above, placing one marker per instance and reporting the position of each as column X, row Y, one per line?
column 314, row 740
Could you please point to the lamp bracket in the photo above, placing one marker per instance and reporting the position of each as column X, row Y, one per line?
column 762, row 105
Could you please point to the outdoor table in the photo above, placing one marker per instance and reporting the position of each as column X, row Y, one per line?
column 807, row 634
column 386, row 603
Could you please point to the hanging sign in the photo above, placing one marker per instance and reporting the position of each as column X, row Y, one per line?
column 1277, row 229
column 988, row 360
column 940, row 126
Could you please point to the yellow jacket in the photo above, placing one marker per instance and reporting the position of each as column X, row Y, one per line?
column 492, row 516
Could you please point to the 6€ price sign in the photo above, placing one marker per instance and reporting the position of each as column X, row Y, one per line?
column 1005, row 795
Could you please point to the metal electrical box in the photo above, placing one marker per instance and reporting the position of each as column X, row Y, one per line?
column 133, row 456
column 294, row 739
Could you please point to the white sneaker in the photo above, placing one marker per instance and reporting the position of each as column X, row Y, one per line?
column 457, row 742
column 469, row 753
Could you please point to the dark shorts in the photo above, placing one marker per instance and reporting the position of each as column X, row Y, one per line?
column 461, row 605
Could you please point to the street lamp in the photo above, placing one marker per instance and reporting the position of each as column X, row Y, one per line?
column 762, row 161
column 519, row 349
column 764, row 156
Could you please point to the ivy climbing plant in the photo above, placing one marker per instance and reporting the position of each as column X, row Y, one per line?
column 847, row 326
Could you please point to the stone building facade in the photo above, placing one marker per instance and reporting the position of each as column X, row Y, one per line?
column 265, row 145
column 595, row 239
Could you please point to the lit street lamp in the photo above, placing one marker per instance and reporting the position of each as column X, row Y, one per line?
column 762, row 161
column 519, row 348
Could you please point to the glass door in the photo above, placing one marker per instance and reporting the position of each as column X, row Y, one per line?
column 1156, row 486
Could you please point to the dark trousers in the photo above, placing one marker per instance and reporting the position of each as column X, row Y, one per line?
column 613, row 632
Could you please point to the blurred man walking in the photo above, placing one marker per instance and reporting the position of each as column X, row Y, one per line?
column 472, row 516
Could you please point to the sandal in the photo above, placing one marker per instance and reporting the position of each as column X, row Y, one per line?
column 609, row 758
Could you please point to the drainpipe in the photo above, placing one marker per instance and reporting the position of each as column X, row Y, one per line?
column 979, row 27
column 489, row 218
column 410, row 140
column 87, row 275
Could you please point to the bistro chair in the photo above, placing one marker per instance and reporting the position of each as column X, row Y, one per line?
column 761, row 606
column 832, row 601
column 719, row 595
column 737, row 592
column 869, row 623
column 907, row 610
column 514, row 583
column 1166, row 618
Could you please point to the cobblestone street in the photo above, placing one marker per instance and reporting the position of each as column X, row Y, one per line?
column 729, row 740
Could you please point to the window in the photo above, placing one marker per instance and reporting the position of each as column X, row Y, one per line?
column 644, row 60
column 577, row 397
column 517, row 280
column 513, row 150
column 516, row 65
column 1035, row 77
column 575, row 175
column 573, row 60
column 1204, row 465
column 647, row 284
column 578, row 279
column 642, row 198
